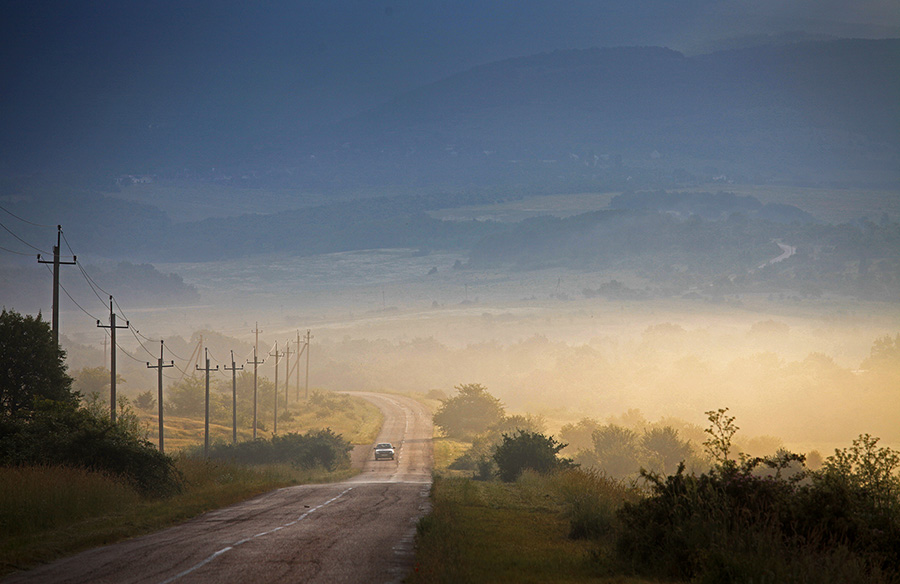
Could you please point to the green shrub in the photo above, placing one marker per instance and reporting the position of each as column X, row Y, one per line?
column 761, row 520
column 316, row 448
column 528, row 450
column 590, row 500
column 60, row 433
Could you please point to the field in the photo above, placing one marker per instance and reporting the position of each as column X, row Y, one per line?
column 359, row 424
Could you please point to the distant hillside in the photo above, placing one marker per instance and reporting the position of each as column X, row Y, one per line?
column 809, row 112
column 815, row 113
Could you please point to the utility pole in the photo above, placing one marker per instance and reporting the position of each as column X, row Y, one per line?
column 300, row 350
column 112, row 326
column 206, row 422
column 287, row 373
column 54, row 323
column 276, row 354
column 234, row 371
column 256, row 364
column 308, row 337
column 160, row 366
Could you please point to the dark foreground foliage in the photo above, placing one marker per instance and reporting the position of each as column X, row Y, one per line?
column 315, row 448
column 63, row 434
column 770, row 520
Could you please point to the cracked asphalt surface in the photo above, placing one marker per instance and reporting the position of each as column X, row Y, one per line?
column 360, row 530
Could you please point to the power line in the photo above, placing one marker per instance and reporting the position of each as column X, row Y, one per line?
column 22, row 240
column 17, row 252
column 72, row 299
column 90, row 283
column 131, row 328
column 25, row 220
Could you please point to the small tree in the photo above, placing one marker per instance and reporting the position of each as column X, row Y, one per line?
column 471, row 412
column 33, row 366
column 528, row 450
column 721, row 430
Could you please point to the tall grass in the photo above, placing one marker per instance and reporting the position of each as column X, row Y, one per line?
column 590, row 501
column 38, row 498
column 48, row 512
column 488, row 531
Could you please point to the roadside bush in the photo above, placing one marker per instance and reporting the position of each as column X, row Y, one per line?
column 590, row 500
column 316, row 448
column 528, row 450
column 60, row 433
column 761, row 519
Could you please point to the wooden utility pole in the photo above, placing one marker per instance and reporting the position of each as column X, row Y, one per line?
column 54, row 323
column 256, row 364
column 206, row 422
column 308, row 337
column 300, row 350
column 234, row 371
column 287, row 373
column 112, row 326
column 159, row 384
column 276, row 354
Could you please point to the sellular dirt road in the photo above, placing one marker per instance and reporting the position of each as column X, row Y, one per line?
column 359, row 530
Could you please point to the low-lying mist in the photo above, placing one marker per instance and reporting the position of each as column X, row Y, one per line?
column 814, row 375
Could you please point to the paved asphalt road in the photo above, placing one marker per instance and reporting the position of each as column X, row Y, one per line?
column 359, row 530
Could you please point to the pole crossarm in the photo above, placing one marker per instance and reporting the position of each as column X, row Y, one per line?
column 234, row 371
column 112, row 326
column 276, row 354
column 206, row 420
column 159, row 367
column 54, row 323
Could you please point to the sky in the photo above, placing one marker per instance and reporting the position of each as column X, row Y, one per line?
column 316, row 61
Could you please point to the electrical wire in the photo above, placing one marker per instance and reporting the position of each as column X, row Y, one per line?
column 22, row 240
column 127, row 354
column 22, row 253
column 91, row 285
column 131, row 328
column 25, row 220
column 73, row 300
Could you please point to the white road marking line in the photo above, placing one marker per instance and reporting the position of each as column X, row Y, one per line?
column 245, row 540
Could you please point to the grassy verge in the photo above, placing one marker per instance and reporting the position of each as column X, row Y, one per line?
column 504, row 532
column 51, row 512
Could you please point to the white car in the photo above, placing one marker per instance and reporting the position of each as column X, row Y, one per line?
column 384, row 450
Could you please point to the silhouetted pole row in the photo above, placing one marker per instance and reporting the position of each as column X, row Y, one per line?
column 234, row 371
column 112, row 358
column 206, row 422
column 54, row 319
column 159, row 367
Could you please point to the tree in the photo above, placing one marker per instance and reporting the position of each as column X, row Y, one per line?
column 721, row 430
column 664, row 449
column 94, row 381
column 618, row 450
column 471, row 412
column 33, row 366
column 528, row 450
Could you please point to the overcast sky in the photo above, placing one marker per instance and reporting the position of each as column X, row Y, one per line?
column 319, row 60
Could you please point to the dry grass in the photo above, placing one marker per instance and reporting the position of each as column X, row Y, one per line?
column 498, row 532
